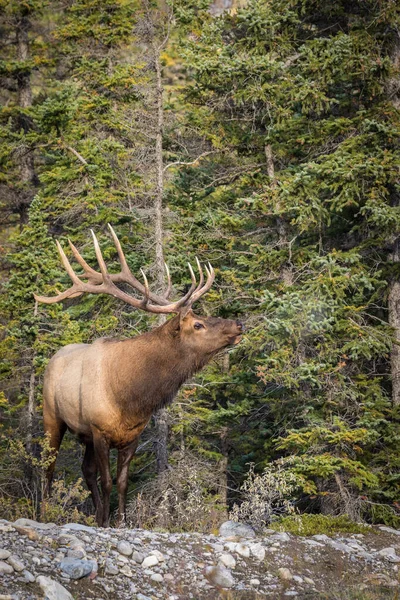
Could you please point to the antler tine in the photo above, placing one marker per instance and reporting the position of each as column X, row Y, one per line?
column 100, row 259
column 67, row 265
column 92, row 275
column 121, row 254
column 146, row 288
column 201, row 274
column 71, row 292
column 200, row 291
column 169, row 286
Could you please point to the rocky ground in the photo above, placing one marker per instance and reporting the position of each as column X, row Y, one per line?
column 77, row 562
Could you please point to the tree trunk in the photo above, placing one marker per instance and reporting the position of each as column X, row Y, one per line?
column 393, row 93
column 394, row 321
column 161, row 417
column 25, row 154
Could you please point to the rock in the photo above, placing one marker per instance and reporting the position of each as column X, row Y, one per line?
column 138, row 557
column 125, row 570
column 142, row 597
column 281, row 536
column 30, row 532
column 258, row 551
column 79, row 527
column 309, row 580
column 219, row 576
column 227, row 560
column 254, row 582
column 34, row 524
column 389, row 529
column 29, row 578
column 111, row 568
column 243, row 550
column 5, row 568
column 150, row 561
column 157, row 577
column 16, row 563
column 233, row 529
column 160, row 557
column 78, row 553
column 124, row 548
column 52, row 589
column 76, row 568
column 168, row 577
column 4, row 554
column 390, row 554
column 285, row 574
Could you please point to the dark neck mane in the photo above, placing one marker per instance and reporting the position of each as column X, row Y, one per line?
column 150, row 369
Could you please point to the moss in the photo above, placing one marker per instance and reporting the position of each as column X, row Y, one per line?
column 317, row 524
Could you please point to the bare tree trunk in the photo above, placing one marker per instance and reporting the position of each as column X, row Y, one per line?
column 27, row 169
column 394, row 321
column 161, row 417
column 393, row 93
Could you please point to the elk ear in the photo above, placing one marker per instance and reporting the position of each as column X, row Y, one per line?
column 185, row 312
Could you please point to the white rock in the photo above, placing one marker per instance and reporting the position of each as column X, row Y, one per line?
column 157, row 577
column 4, row 554
column 390, row 554
column 254, row 582
column 258, row 551
column 219, row 576
column 285, row 574
column 227, row 560
column 233, row 529
column 29, row 578
column 124, row 548
column 160, row 557
column 52, row 589
column 389, row 529
column 281, row 536
column 34, row 524
column 309, row 580
column 297, row 579
column 5, row 568
column 125, row 570
column 16, row 563
column 79, row 527
column 243, row 550
column 150, row 561
column 230, row 546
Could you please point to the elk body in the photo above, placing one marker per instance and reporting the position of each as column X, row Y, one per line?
column 107, row 391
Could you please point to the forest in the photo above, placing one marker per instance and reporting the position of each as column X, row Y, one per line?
column 261, row 136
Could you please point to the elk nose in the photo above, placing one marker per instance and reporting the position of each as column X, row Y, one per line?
column 240, row 325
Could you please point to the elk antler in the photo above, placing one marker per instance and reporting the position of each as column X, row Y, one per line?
column 105, row 282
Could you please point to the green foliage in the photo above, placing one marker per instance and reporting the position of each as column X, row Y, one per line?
column 307, row 525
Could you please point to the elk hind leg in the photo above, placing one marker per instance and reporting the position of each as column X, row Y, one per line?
column 89, row 470
column 125, row 456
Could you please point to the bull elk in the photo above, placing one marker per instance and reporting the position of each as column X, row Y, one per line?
column 107, row 391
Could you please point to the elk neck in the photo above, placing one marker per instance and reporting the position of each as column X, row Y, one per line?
column 147, row 371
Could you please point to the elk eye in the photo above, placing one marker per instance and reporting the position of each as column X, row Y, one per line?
column 198, row 326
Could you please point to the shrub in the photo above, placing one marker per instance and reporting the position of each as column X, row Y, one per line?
column 186, row 497
column 267, row 496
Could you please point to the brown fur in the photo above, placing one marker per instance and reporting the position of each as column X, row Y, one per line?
column 107, row 391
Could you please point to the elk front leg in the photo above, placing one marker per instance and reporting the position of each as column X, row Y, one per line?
column 125, row 456
column 55, row 429
column 102, row 455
